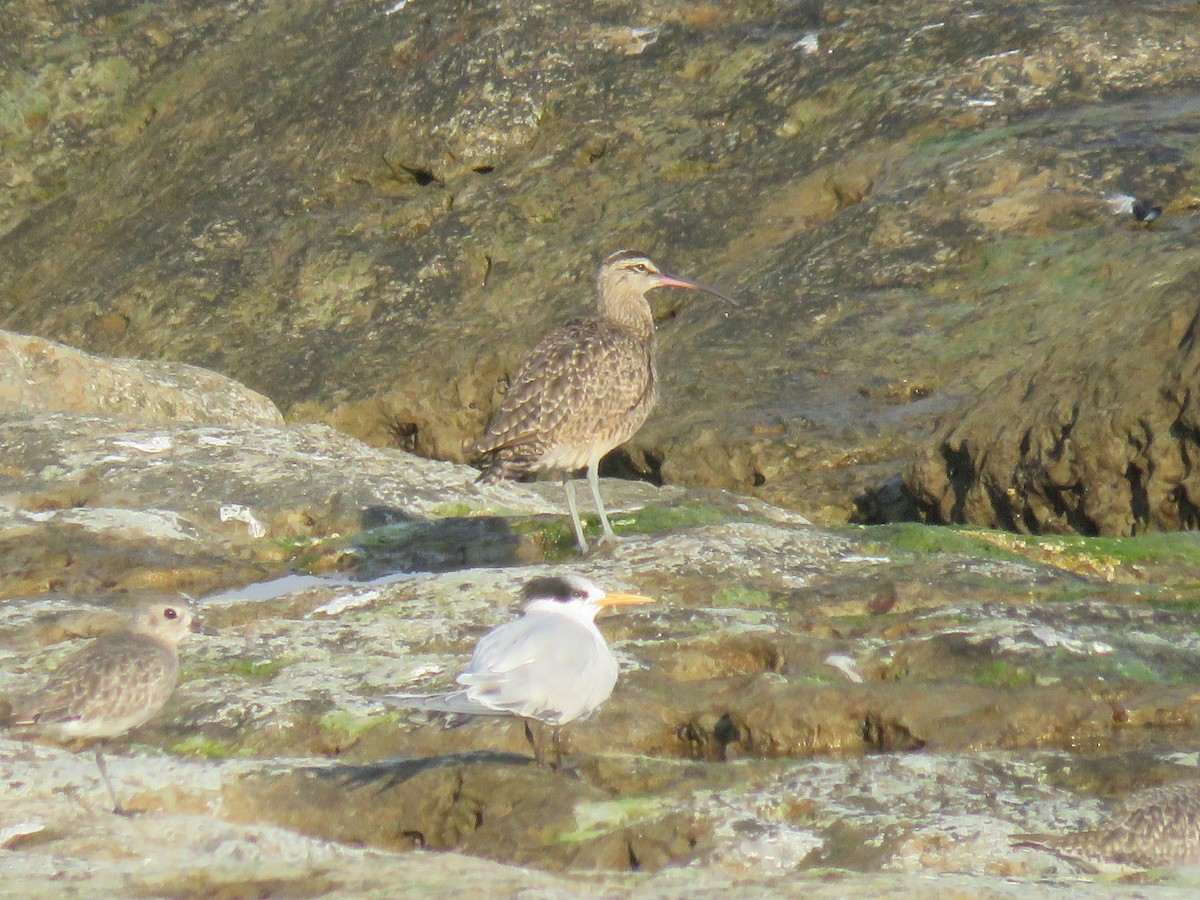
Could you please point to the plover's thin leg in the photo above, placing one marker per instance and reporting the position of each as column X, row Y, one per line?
column 117, row 807
column 569, row 487
column 593, row 477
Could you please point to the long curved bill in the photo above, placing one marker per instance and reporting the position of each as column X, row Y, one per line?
column 665, row 280
column 615, row 598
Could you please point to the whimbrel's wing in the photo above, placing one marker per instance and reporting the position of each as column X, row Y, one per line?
column 1158, row 826
column 583, row 379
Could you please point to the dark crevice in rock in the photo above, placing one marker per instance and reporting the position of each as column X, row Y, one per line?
column 891, row 501
column 881, row 733
column 1003, row 506
column 961, row 473
column 621, row 464
column 1139, row 498
column 419, row 175
column 1188, row 512
column 725, row 732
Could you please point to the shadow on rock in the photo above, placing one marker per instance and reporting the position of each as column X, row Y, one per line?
column 393, row 772
column 494, row 805
column 393, row 541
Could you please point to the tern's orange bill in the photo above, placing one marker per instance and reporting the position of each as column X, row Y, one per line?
column 615, row 598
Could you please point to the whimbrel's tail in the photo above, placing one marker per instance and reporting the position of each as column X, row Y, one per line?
column 502, row 462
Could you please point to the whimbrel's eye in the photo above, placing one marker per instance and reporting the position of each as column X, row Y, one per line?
column 640, row 267
column 170, row 613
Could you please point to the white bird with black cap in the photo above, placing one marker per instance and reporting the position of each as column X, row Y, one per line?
column 551, row 666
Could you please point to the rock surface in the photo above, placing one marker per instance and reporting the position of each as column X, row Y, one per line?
column 1107, row 449
column 42, row 376
column 879, row 705
column 370, row 212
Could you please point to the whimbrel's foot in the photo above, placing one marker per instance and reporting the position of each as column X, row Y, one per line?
column 127, row 813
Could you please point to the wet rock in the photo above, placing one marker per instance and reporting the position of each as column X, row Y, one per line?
column 912, row 208
column 909, row 206
column 1070, row 448
column 492, row 806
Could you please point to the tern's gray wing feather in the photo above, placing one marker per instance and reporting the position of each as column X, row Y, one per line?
column 543, row 666
column 455, row 702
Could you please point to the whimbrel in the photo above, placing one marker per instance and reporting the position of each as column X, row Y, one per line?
column 1156, row 827
column 551, row 666
column 114, row 684
column 585, row 389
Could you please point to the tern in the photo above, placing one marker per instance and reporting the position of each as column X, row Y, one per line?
column 551, row 666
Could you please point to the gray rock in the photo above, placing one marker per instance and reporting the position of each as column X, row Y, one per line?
column 40, row 376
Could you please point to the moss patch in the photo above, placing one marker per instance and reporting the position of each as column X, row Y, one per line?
column 351, row 725
column 261, row 669
column 743, row 598
column 1001, row 673
column 202, row 747
column 594, row 820
column 656, row 518
column 1107, row 558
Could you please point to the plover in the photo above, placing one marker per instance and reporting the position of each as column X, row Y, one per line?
column 114, row 684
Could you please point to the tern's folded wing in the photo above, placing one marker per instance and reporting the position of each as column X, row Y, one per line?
column 458, row 702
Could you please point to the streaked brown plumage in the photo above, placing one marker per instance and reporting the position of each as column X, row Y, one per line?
column 585, row 389
column 1156, row 827
column 114, row 684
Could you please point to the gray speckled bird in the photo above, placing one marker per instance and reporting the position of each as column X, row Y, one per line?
column 114, row 684
column 585, row 389
column 1156, row 827
column 551, row 666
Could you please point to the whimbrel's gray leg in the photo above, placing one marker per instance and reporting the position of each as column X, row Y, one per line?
column 593, row 477
column 117, row 808
column 569, row 487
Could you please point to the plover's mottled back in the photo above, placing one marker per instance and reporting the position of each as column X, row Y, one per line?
column 1156, row 827
column 114, row 684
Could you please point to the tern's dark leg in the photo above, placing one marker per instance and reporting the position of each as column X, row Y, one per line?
column 569, row 487
column 117, row 807
column 556, row 740
column 538, row 753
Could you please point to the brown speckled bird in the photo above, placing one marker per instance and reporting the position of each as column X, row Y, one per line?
column 585, row 389
column 114, row 684
column 1156, row 827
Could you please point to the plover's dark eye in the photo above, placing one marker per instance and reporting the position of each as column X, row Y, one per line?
column 578, row 594
column 169, row 613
